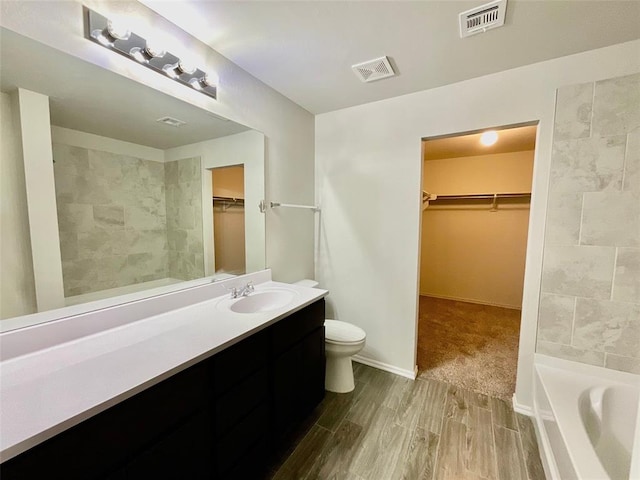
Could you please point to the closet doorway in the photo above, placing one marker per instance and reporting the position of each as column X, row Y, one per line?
column 227, row 185
column 476, row 190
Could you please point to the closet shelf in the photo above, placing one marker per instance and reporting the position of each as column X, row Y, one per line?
column 474, row 196
column 427, row 197
column 229, row 201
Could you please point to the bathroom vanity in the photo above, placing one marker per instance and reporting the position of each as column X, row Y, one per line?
column 219, row 414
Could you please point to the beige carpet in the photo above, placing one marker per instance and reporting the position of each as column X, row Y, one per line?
column 469, row 345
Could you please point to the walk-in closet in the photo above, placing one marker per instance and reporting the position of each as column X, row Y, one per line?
column 476, row 197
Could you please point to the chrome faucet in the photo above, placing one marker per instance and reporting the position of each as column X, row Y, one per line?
column 242, row 291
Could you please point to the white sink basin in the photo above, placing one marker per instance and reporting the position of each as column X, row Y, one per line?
column 264, row 301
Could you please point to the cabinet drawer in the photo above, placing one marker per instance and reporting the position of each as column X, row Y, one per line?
column 240, row 400
column 234, row 364
column 292, row 329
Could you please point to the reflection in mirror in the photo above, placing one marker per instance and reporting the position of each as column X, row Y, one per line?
column 130, row 193
column 228, row 219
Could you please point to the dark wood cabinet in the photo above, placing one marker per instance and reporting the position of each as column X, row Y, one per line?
column 217, row 419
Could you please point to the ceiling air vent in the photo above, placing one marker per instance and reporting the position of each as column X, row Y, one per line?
column 173, row 122
column 482, row 18
column 373, row 69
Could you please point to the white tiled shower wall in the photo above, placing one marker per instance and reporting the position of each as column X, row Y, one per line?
column 590, row 296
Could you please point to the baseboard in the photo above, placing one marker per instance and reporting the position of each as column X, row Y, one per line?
column 521, row 408
column 386, row 367
column 469, row 300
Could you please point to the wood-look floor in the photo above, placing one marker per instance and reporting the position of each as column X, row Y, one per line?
column 391, row 427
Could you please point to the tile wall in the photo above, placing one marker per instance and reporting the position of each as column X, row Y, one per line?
column 590, row 300
column 116, row 217
column 184, row 218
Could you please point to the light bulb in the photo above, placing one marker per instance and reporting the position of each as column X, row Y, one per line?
column 195, row 83
column 136, row 52
column 185, row 67
column 488, row 138
column 153, row 50
column 118, row 31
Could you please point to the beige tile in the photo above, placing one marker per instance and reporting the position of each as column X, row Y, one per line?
column 140, row 241
column 106, row 165
column 100, row 242
column 623, row 364
column 587, row 164
column 555, row 318
column 68, row 245
column 75, row 217
column 616, row 105
column 632, row 163
column 69, row 160
column 626, row 283
column 189, row 170
column 171, row 172
column 143, row 219
column 573, row 111
column 564, row 211
column 109, row 216
column 585, row 271
column 605, row 326
column 570, row 353
column 611, row 219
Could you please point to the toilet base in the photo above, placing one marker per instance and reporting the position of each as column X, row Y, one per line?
column 339, row 375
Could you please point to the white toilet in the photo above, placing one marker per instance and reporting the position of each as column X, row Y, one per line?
column 342, row 340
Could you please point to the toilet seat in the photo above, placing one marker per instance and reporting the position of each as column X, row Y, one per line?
column 343, row 333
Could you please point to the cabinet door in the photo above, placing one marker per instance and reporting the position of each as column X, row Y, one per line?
column 184, row 453
column 298, row 382
column 104, row 443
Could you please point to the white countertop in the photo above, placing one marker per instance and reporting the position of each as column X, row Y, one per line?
column 45, row 391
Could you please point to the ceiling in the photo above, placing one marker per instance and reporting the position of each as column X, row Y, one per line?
column 510, row 139
column 81, row 97
column 305, row 49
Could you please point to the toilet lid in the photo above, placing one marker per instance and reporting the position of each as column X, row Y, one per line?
column 342, row 332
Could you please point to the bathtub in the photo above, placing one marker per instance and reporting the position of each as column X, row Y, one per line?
column 587, row 421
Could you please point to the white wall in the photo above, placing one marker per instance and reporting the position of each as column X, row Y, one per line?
column 17, row 289
column 368, row 172
column 289, row 129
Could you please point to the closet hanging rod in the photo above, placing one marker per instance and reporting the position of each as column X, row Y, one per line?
column 479, row 196
column 291, row 205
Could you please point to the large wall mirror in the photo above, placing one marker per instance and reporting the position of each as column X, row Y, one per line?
column 150, row 193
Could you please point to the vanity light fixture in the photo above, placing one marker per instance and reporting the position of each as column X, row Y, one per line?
column 116, row 37
column 488, row 138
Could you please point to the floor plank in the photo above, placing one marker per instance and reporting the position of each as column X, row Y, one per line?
column 503, row 414
column 481, row 458
column 420, row 461
column 392, row 428
column 530, row 451
column 379, row 451
column 509, row 455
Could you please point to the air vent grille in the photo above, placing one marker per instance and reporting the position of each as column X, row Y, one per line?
column 482, row 18
column 173, row 122
column 374, row 70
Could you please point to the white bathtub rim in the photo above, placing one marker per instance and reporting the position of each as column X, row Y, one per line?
column 554, row 372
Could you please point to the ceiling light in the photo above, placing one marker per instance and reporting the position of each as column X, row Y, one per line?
column 488, row 138
column 114, row 36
